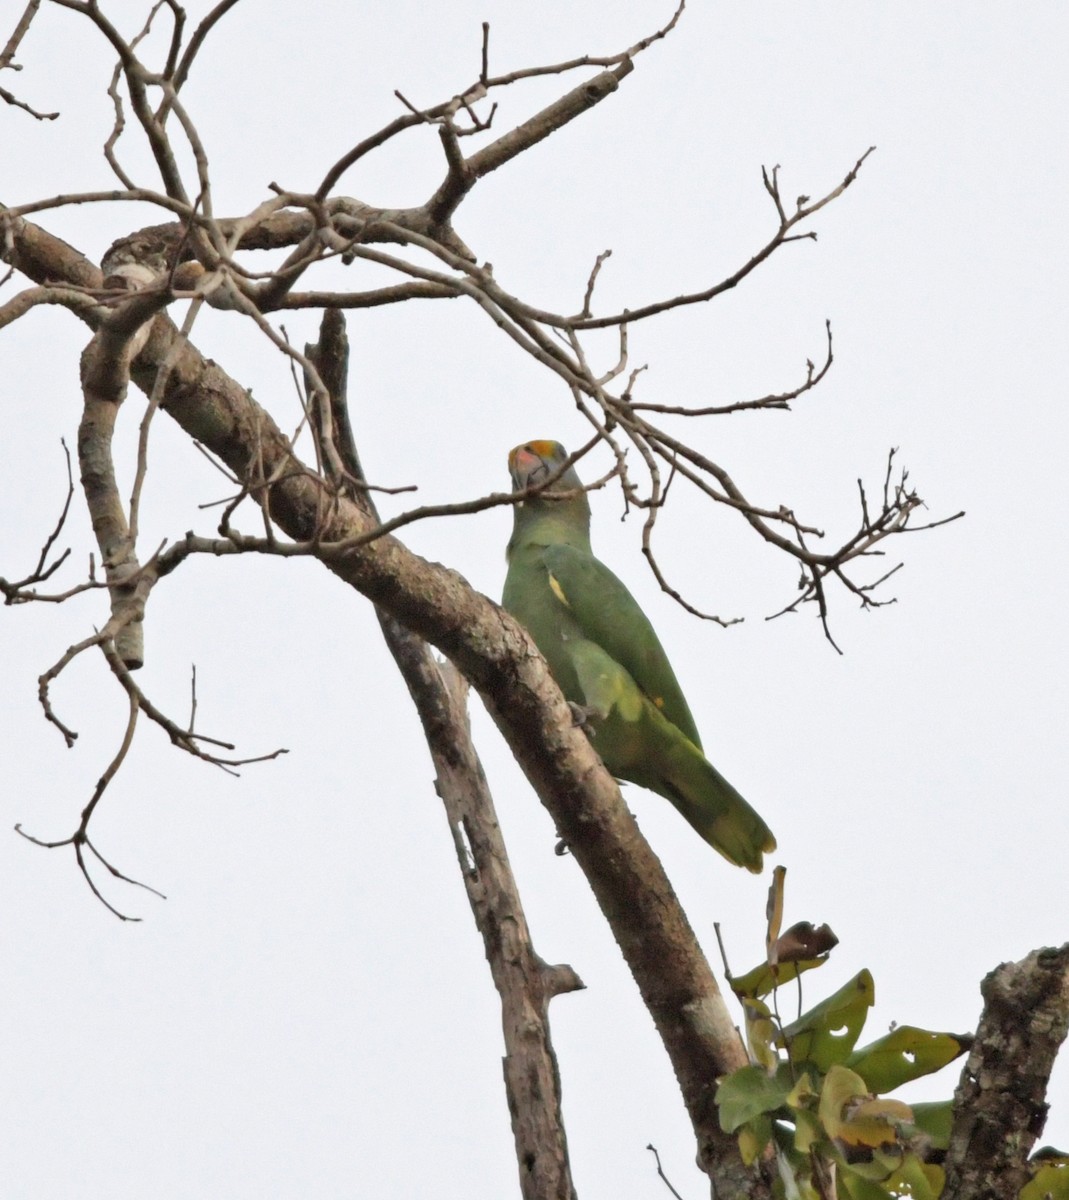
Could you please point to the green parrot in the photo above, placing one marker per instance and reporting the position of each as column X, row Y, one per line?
column 607, row 660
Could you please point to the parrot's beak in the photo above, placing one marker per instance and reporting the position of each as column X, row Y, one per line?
column 526, row 467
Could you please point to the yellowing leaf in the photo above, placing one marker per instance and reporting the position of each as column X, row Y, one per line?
column 754, row 1137
column 808, row 1131
column 802, row 1093
column 874, row 1122
column 883, row 1110
column 840, row 1087
column 763, row 978
column 852, row 1116
column 1051, row 1178
column 774, row 912
column 762, row 1034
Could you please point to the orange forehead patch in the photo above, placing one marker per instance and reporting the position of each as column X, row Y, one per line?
column 544, row 449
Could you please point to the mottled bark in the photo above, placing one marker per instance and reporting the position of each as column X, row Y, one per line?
column 524, row 982
column 105, row 376
column 999, row 1106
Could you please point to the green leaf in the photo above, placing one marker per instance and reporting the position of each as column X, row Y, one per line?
column 828, row 1032
column 747, row 1093
column 934, row 1119
column 762, row 1034
column 879, row 1168
column 857, row 1187
column 894, row 1174
column 904, row 1054
column 916, row 1179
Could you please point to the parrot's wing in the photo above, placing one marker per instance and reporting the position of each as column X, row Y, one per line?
column 609, row 616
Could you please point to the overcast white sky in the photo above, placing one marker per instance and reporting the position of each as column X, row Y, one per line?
column 309, row 1013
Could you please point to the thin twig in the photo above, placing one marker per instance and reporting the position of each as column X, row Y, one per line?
column 660, row 1172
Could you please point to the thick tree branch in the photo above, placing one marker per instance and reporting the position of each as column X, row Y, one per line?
column 465, row 173
column 524, row 982
column 105, row 373
column 1000, row 1104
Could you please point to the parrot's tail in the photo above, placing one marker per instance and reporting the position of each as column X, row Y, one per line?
column 718, row 812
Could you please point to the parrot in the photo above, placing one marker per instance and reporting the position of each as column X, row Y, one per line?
column 605, row 657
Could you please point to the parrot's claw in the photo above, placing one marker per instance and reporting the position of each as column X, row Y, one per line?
column 581, row 715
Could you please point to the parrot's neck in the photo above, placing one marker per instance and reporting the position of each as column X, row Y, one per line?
column 549, row 523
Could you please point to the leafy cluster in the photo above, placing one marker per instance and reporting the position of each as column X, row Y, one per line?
column 817, row 1102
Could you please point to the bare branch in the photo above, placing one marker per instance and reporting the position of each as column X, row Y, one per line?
column 20, row 304
column 136, row 80
column 117, row 129
column 141, row 468
column 571, row 105
column 7, row 60
column 15, row 102
column 393, row 294
column 525, row 983
column 588, row 295
column 660, row 1172
column 779, row 238
column 137, row 195
column 195, row 43
column 80, row 837
column 666, row 587
column 396, row 126
column 17, row 593
column 485, row 69
column 778, row 400
column 7, row 55
column 184, row 738
column 586, row 60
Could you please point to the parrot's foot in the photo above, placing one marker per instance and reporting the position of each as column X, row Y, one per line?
column 581, row 715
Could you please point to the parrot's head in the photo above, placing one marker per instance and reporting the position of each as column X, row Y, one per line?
column 534, row 462
column 547, row 517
